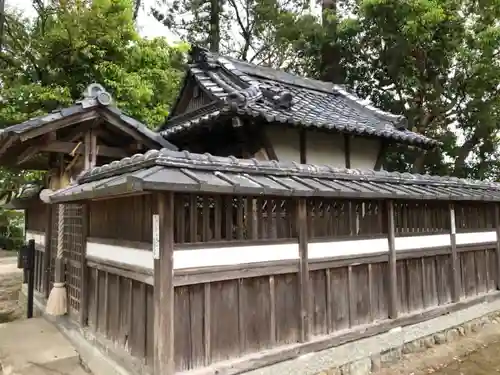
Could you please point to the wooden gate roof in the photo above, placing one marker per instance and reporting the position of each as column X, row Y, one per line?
column 159, row 170
column 241, row 88
column 18, row 139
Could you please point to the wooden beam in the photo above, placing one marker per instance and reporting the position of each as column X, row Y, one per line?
column 46, row 254
column 7, row 143
column 125, row 129
column 379, row 163
column 163, row 253
column 393, row 279
column 305, row 293
column 347, row 150
column 68, row 147
column 455, row 264
column 497, row 228
column 303, row 146
column 35, row 148
column 54, row 126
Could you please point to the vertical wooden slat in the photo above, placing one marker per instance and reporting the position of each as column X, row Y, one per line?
column 206, row 324
column 46, row 254
column 217, row 218
column 305, row 295
column 328, row 290
column 106, row 301
column 351, row 296
column 393, row 280
column 96, row 300
column 497, row 249
column 164, row 288
column 272, row 310
column 193, row 218
column 241, row 321
column 455, row 262
column 206, row 219
column 84, row 313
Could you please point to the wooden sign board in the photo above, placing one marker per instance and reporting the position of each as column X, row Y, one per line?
column 156, row 236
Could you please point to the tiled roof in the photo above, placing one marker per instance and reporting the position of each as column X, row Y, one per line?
column 276, row 96
column 187, row 172
column 87, row 105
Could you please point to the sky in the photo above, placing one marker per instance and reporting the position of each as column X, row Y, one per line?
column 148, row 26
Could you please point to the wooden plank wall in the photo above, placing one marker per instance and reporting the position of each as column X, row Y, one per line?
column 121, row 310
column 36, row 221
column 220, row 315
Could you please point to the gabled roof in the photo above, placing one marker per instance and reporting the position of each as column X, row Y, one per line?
column 96, row 103
column 186, row 172
column 246, row 89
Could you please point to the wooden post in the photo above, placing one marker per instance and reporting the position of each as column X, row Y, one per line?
column 163, row 253
column 46, row 253
column 497, row 228
column 305, row 295
column 393, row 279
column 455, row 265
column 84, row 304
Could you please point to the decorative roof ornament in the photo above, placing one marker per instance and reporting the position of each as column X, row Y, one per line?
column 99, row 93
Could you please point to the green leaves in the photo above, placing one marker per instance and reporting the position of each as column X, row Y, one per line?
column 46, row 64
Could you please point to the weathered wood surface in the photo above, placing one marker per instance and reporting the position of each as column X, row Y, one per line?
column 224, row 312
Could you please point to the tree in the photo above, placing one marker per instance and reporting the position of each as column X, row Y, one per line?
column 47, row 63
column 267, row 32
column 436, row 62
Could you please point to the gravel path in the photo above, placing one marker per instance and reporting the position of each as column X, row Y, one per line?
column 10, row 285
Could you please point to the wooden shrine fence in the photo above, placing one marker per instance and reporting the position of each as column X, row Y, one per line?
column 254, row 273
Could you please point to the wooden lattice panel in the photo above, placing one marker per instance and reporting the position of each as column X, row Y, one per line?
column 53, row 243
column 73, row 248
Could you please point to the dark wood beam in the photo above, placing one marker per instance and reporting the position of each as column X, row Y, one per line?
column 393, row 279
column 7, row 143
column 347, row 150
column 54, row 126
column 455, row 261
column 163, row 254
column 68, row 147
column 303, row 146
column 35, row 149
column 379, row 163
column 125, row 129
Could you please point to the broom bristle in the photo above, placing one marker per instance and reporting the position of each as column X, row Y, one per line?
column 57, row 302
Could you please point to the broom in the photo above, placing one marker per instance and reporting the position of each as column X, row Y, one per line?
column 57, row 302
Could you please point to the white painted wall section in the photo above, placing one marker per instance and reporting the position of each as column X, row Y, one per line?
column 253, row 254
column 323, row 148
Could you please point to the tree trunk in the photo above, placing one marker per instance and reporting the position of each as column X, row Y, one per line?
column 2, row 21
column 214, row 36
column 465, row 150
column 330, row 55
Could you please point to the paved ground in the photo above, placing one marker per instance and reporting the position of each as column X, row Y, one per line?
column 36, row 347
column 29, row 346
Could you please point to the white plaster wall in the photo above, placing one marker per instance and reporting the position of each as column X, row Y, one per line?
column 285, row 142
column 323, row 147
column 364, row 152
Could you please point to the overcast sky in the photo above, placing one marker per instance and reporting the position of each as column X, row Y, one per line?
column 148, row 26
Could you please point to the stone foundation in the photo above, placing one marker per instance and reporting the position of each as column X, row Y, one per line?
column 375, row 362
